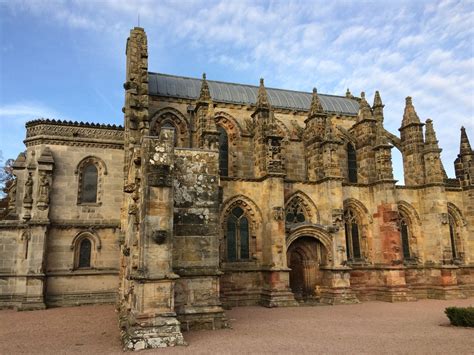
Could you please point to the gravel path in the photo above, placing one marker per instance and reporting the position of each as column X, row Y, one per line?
column 370, row 328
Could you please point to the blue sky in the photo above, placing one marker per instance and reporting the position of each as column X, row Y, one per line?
column 66, row 59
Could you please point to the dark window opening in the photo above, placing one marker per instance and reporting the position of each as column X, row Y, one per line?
column 237, row 236
column 351, row 163
column 452, row 236
column 223, row 152
column 405, row 233
column 89, row 184
column 85, row 254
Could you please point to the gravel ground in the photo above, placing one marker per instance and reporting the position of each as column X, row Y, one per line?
column 370, row 328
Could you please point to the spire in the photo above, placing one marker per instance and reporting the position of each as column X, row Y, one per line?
column 262, row 98
column 409, row 116
column 430, row 135
column 316, row 106
column 377, row 100
column 465, row 147
column 364, row 109
column 205, row 94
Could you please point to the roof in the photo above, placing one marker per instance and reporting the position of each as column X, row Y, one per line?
column 188, row 88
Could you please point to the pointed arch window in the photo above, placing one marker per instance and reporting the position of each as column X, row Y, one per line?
column 352, row 232
column 237, row 235
column 351, row 163
column 405, row 237
column 223, row 152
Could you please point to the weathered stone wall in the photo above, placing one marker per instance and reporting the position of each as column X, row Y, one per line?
column 195, row 240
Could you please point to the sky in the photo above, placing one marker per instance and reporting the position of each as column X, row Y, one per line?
column 66, row 59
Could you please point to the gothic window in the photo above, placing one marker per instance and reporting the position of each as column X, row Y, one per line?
column 237, row 235
column 223, row 152
column 405, row 235
column 351, row 163
column 352, row 232
column 295, row 212
column 89, row 184
column 91, row 171
column 84, row 258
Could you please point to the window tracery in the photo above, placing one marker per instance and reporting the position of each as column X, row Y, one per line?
column 295, row 212
column 237, row 235
column 352, row 232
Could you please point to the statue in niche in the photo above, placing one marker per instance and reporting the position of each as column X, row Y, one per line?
column 29, row 189
column 44, row 187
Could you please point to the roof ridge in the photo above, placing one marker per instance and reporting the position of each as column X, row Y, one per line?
column 72, row 123
column 247, row 85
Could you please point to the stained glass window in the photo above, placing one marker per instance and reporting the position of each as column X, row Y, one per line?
column 237, row 235
column 89, row 184
column 85, row 253
column 352, row 163
column 452, row 236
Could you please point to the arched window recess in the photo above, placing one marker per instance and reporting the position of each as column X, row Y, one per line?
column 237, row 236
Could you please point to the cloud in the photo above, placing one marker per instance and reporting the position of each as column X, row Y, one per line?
column 21, row 112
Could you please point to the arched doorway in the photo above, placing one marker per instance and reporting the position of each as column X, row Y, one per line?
column 304, row 257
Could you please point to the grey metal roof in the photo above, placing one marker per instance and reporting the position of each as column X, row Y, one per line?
column 189, row 88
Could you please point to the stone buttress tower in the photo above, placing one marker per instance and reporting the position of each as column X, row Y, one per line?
column 270, row 168
column 146, row 293
column 170, row 262
column 364, row 131
column 411, row 134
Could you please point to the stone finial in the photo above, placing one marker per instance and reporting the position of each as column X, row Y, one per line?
column 409, row 116
column 316, row 106
column 465, row 146
column 430, row 134
column 365, row 111
column 377, row 100
column 262, row 97
column 205, row 93
column 349, row 94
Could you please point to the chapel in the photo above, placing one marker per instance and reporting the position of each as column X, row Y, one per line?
column 216, row 194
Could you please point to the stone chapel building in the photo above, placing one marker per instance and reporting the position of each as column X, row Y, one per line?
column 218, row 194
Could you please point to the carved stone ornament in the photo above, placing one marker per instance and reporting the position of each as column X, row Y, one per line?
column 337, row 217
column 159, row 236
column 278, row 213
column 443, row 217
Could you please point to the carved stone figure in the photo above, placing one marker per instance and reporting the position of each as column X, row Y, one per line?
column 28, row 199
column 43, row 194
